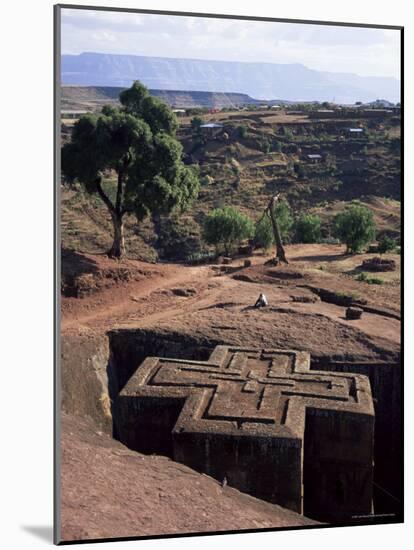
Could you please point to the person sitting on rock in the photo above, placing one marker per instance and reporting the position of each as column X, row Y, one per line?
column 261, row 301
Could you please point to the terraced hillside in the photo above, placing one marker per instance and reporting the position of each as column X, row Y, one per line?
column 243, row 162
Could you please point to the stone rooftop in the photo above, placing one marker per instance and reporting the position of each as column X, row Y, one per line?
column 247, row 414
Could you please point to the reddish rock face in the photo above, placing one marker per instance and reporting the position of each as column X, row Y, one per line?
column 109, row 491
column 262, row 420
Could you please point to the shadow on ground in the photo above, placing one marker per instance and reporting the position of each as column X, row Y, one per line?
column 75, row 263
column 320, row 258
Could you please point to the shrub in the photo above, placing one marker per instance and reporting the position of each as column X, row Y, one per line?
column 308, row 228
column 196, row 123
column 284, row 219
column 370, row 280
column 355, row 227
column 227, row 227
column 386, row 244
column 207, row 180
column 263, row 235
column 242, row 130
column 265, row 145
column 375, row 281
column 299, row 170
column 176, row 240
column 362, row 277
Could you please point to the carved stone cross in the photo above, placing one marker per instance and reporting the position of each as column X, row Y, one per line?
column 262, row 419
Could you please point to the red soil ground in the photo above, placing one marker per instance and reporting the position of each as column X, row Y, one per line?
column 108, row 490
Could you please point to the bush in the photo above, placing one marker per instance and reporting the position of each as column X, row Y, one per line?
column 284, row 219
column 265, row 145
column 277, row 146
column 242, row 130
column 362, row 277
column 386, row 244
column 196, row 123
column 263, row 235
column 370, row 280
column 227, row 227
column 207, row 180
column 375, row 281
column 176, row 240
column 308, row 228
column 355, row 227
column 299, row 170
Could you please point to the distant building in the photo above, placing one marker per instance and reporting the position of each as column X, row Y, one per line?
column 211, row 129
column 179, row 112
column 211, row 125
column 71, row 113
column 356, row 130
column 314, row 158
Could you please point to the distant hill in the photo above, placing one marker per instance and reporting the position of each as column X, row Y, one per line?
column 293, row 82
column 80, row 97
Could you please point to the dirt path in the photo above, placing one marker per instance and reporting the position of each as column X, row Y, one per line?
column 155, row 300
column 119, row 302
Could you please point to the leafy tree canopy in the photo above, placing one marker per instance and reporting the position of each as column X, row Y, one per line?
column 308, row 228
column 196, row 123
column 285, row 219
column 137, row 142
column 386, row 244
column 227, row 227
column 263, row 234
column 355, row 227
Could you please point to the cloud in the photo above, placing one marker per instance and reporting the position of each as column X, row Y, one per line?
column 364, row 51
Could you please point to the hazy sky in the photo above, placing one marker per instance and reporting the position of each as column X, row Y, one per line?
column 367, row 52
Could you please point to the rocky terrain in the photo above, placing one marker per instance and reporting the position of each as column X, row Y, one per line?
column 184, row 311
column 108, row 490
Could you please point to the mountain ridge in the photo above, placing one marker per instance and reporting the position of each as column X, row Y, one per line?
column 292, row 82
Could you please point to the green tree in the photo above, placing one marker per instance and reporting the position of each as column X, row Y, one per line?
column 386, row 244
column 284, row 219
column 227, row 227
column 136, row 142
column 299, row 169
column 196, row 123
column 308, row 228
column 264, row 235
column 242, row 130
column 355, row 227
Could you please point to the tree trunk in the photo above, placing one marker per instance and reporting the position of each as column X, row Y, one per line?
column 280, row 251
column 117, row 249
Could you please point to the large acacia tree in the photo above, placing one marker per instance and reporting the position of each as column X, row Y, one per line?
column 136, row 142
